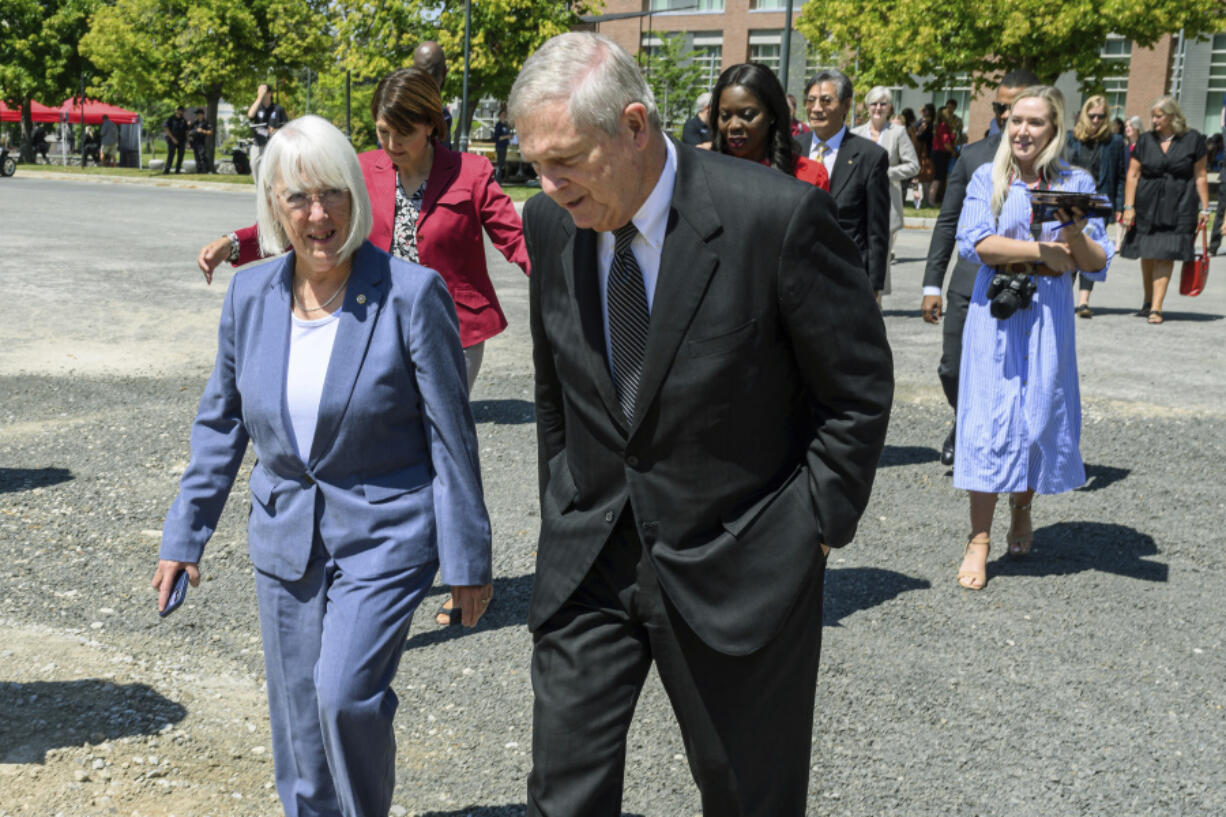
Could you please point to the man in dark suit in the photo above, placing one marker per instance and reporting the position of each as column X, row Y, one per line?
column 713, row 385
column 941, row 247
column 858, row 169
column 696, row 130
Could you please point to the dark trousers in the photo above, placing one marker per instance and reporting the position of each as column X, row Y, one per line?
column 956, row 304
column 203, row 163
column 747, row 721
column 171, row 147
column 1215, row 237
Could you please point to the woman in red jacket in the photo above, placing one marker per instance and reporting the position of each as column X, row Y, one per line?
column 429, row 206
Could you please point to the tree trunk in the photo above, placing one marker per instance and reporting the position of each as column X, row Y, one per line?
column 27, row 131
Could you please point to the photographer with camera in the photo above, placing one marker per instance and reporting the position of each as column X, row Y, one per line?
column 1019, row 406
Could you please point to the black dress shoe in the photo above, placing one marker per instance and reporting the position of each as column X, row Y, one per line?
column 947, row 448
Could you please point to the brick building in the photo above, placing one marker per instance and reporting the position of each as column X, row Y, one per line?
column 721, row 33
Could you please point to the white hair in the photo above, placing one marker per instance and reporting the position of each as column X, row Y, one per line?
column 878, row 93
column 1048, row 163
column 704, row 99
column 310, row 153
column 593, row 74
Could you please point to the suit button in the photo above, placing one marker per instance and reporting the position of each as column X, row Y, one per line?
column 632, row 461
column 609, row 516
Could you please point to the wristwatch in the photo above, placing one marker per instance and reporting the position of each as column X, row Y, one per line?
column 234, row 247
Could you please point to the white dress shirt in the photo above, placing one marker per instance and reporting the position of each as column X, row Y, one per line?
column 832, row 147
column 651, row 221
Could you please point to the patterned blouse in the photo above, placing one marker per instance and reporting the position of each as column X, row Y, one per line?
column 404, row 225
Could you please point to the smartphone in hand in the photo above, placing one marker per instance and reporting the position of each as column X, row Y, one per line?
column 177, row 593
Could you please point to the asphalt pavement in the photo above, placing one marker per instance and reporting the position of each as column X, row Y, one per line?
column 1086, row 680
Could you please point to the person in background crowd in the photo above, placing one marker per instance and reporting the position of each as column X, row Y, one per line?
column 89, row 147
column 858, row 169
column 175, row 129
column 903, row 161
column 1214, row 147
column 697, row 129
column 706, row 432
column 1096, row 148
column 110, row 141
column 750, row 118
column 342, row 367
column 944, row 143
column 199, row 134
column 1117, row 125
column 429, row 206
column 38, row 140
column 266, row 117
column 941, row 248
column 798, row 128
column 1166, row 201
column 925, row 130
column 429, row 57
column 1019, row 405
column 1133, row 128
column 502, row 141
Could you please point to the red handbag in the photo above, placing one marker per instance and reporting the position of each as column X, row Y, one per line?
column 1195, row 273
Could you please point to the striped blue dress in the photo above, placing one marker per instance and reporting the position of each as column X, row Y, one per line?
column 1019, row 405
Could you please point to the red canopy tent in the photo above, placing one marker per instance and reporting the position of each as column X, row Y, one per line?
column 38, row 113
column 93, row 111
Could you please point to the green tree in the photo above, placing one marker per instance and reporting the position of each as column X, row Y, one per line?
column 379, row 36
column 889, row 41
column 155, row 51
column 676, row 79
column 39, row 58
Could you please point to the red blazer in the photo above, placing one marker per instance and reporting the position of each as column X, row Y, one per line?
column 813, row 172
column 461, row 199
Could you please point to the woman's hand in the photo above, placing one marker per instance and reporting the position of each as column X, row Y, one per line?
column 1057, row 256
column 1128, row 218
column 1074, row 223
column 211, row 255
column 472, row 601
column 164, row 578
column 1202, row 218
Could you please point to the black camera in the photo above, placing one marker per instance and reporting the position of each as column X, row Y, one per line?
column 1009, row 292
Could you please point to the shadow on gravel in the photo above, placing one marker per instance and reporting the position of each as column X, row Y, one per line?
column 503, row 412
column 907, row 455
column 23, row 479
column 489, row 811
column 42, row 715
column 1100, row 476
column 1075, row 547
column 853, row 589
column 508, row 609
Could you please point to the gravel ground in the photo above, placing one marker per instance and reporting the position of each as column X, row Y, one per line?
column 1088, row 679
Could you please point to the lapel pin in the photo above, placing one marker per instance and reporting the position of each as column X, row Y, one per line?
column 361, row 299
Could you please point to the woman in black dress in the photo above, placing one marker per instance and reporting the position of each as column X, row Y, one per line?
column 1094, row 146
column 1166, row 201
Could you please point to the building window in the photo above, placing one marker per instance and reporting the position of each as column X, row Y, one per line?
column 706, row 48
column 1216, row 98
column 769, row 5
column 687, row 5
column 817, row 60
column 1117, row 51
column 766, row 47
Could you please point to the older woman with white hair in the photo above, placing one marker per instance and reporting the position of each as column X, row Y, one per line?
column 1166, row 201
column 342, row 365
column 893, row 139
column 1019, row 406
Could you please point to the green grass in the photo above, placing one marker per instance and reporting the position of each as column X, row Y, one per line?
column 133, row 173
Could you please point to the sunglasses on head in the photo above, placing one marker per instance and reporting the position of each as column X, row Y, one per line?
column 999, row 107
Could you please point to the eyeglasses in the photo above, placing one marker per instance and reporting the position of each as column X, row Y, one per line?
column 879, row 104
column 328, row 199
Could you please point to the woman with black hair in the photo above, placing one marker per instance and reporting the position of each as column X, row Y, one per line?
column 749, row 119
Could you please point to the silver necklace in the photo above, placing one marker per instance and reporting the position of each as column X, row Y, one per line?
column 326, row 303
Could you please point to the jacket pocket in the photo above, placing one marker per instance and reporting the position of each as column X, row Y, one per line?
column 723, row 342
column 262, row 485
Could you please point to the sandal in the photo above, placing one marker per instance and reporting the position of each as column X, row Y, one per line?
column 1143, row 311
column 974, row 579
column 1083, row 311
column 1019, row 541
column 1155, row 317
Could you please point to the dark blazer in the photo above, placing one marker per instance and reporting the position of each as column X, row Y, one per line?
column 462, row 199
column 392, row 478
column 943, row 242
column 860, row 184
column 762, row 408
column 1112, row 166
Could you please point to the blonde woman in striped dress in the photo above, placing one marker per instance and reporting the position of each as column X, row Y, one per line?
column 1019, row 406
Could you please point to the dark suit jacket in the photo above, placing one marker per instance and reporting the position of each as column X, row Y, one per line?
column 944, row 233
column 860, row 184
column 762, row 408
